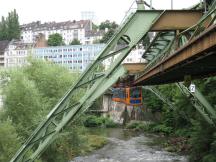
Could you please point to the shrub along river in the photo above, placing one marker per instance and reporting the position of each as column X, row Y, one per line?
column 128, row 146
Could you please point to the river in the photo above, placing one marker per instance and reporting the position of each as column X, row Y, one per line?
column 126, row 146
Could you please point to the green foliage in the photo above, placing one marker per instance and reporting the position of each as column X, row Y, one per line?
column 95, row 142
column 9, row 141
column 185, row 121
column 29, row 95
column 3, row 29
column 94, row 26
column 106, row 37
column 13, row 25
column 138, row 126
column 51, row 80
column 22, row 103
column 111, row 27
column 67, row 145
column 32, row 91
column 183, row 132
column 209, row 158
column 109, row 123
column 75, row 42
column 203, row 141
column 108, row 25
column 94, row 121
column 75, row 142
column 55, row 40
column 153, row 103
column 161, row 128
column 9, row 26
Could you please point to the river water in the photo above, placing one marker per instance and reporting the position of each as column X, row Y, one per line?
column 125, row 146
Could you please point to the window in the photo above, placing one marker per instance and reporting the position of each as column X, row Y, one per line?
column 75, row 34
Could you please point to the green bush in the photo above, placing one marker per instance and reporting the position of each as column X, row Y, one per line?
column 29, row 95
column 161, row 128
column 183, row 132
column 109, row 123
column 138, row 126
column 9, row 141
column 94, row 121
column 209, row 158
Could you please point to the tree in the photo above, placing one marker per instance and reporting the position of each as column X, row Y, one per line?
column 75, row 42
column 22, row 103
column 111, row 27
column 3, row 29
column 106, row 37
column 51, row 80
column 55, row 40
column 9, row 142
column 108, row 25
column 9, row 27
column 13, row 25
column 29, row 95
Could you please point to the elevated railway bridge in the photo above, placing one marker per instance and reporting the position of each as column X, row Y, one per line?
column 183, row 45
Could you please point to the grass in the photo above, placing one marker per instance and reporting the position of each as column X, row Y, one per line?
column 93, row 142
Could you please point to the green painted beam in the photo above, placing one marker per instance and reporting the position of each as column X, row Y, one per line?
column 200, row 103
column 133, row 30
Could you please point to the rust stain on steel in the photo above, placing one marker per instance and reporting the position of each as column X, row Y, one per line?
column 197, row 46
column 134, row 68
column 177, row 20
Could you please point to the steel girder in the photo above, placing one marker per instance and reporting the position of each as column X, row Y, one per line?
column 200, row 103
column 163, row 98
column 153, row 56
column 158, row 48
column 131, row 32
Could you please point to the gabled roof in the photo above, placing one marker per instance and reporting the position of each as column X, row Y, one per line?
column 37, row 26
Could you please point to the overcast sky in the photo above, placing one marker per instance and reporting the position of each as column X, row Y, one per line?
column 63, row 10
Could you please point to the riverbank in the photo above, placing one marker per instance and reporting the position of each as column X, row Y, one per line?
column 163, row 138
column 128, row 146
column 93, row 142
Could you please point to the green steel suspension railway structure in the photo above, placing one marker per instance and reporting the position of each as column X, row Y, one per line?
column 183, row 45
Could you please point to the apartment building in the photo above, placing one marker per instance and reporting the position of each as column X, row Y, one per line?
column 75, row 57
column 3, row 46
column 69, row 30
column 16, row 53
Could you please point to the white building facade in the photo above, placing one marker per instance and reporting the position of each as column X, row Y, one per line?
column 16, row 54
column 69, row 30
column 135, row 56
column 74, row 57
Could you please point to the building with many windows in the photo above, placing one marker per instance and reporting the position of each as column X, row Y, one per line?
column 69, row 30
column 16, row 53
column 135, row 56
column 75, row 57
column 3, row 46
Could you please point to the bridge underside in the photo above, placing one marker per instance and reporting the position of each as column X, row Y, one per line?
column 197, row 59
